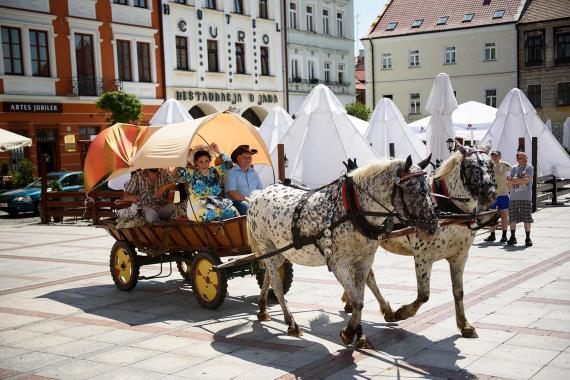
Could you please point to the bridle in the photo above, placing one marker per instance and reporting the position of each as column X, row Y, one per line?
column 475, row 187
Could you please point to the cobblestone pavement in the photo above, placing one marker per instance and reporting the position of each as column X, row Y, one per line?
column 61, row 316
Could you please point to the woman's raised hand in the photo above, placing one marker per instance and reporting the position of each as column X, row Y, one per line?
column 214, row 148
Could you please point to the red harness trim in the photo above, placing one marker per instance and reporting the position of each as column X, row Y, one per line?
column 345, row 203
column 412, row 175
column 443, row 187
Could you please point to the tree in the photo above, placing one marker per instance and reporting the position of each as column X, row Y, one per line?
column 358, row 110
column 123, row 107
column 24, row 174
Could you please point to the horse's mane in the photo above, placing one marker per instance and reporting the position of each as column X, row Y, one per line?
column 448, row 165
column 373, row 169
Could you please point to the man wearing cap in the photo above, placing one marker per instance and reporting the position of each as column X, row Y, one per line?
column 501, row 169
column 242, row 179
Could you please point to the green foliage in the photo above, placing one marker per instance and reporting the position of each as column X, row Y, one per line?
column 24, row 174
column 5, row 168
column 123, row 107
column 54, row 185
column 358, row 110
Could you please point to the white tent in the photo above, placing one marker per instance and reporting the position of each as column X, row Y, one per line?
column 441, row 103
column 566, row 133
column 387, row 125
column 548, row 125
column 359, row 124
column 516, row 117
column 170, row 112
column 471, row 120
column 321, row 138
column 10, row 140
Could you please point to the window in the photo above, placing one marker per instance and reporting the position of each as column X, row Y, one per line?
column 85, row 133
column 86, row 83
column 340, row 73
column 534, row 47
column 534, row 94
column 339, row 25
column 327, row 72
column 182, row 53
column 563, row 94
column 310, row 19
column 39, row 53
column 122, row 2
column 180, row 1
column 213, row 56
column 562, row 45
column 414, row 58
column 414, row 103
column 386, row 61
column 12, row 50
column 293, row 15
column 467, row 17
column 417, row 23
column 490, row 51
column 295, row 70
column 240, row 58
column 263, row 9
column 450, row 55
column 499, row 13
column 442, row 20
column 389, row 96
column 311, row 71
column 238, row 6
column 391, row 25
column 124, row 60
column 143, row 56
column 326, row 21
column 491, row 98
column 210, row 4
column 264, row 52
column 140, row 3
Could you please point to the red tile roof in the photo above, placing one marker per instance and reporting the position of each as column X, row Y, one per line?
column 544, row 10
column 359, row 74
column 405, row 12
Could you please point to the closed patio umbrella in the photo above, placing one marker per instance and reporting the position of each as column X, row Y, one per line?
column 10, row 140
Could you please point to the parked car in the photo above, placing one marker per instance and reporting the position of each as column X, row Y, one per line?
column 27, row 199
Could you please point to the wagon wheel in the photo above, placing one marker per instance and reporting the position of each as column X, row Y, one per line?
column 286, row 274
column 185, row 269
column 209, row 287
column 123, row 265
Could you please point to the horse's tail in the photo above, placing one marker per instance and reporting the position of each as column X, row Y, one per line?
column 251, row 238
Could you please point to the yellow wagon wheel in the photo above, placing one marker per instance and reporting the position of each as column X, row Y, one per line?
column 123, row 266
column 286, row 274
column 185, row 269
column 209, row 287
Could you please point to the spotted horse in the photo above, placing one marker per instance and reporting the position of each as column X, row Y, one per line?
column 464, row 182
column 337, row 225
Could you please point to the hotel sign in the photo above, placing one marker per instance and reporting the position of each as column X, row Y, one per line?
column 32, row 107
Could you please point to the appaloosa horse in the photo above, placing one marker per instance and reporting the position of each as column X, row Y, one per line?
column 466, row 178
column 337, row 225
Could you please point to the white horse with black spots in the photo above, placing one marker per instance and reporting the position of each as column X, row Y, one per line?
column 389, row 187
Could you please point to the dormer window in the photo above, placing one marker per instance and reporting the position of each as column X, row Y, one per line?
column 442, row 20
column 391, row 26
column 417, row 23
column 467, row 17
column 499, row 13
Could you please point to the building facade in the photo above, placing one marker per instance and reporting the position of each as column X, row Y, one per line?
column 221, row 54
column 544, row 59
column 58, row 56
column 411, row 42
column 320, row 49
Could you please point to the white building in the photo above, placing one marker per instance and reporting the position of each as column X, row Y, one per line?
column 320, row 48
column 224, row 53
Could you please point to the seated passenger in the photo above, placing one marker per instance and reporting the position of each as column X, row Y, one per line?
column 149, row 189
column 242, row 179
column 205, row 186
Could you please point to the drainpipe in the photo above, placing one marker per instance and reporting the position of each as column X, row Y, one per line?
column 284, row 49
column 162, row 36
column 372, row 66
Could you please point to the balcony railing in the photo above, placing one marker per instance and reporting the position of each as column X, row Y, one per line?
column 93, row 87
column 317, row 81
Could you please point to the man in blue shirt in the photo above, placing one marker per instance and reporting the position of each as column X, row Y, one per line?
column 242, row 179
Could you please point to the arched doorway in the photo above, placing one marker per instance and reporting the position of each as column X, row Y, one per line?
column 201, row 110
column 255, row 115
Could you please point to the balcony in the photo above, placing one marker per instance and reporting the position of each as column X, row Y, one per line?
column 306, row 85
column 93, row 87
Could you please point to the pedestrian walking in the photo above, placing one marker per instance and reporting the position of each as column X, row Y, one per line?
column 520, row 208
column 501, row 170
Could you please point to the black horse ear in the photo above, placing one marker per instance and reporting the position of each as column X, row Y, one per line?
column 408, row 163
column 425, row 162
column 350, row 165
column 460, row 148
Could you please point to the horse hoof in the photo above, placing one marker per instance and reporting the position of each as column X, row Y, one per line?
column 346, row 337
column 348, row 308
column 399, row 315
column 389, row 317
column 263, row 316
column 364, row 344
column 469, row 332
column 294, row 331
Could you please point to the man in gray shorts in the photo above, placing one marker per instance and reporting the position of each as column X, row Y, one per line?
column 520, row 207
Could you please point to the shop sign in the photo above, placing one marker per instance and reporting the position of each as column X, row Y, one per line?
column 224, row 97
column 32, row 107
column 69, row 143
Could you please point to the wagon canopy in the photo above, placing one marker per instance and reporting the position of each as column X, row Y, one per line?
column 168, row 146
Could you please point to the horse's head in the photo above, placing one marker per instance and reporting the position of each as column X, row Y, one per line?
column 411, row 195
column 477, row 174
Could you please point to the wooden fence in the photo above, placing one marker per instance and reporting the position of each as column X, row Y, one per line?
column 96, row 206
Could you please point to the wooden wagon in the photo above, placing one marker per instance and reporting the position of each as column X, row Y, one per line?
column 195, row 247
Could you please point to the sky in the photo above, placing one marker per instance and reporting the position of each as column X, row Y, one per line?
column 365, row 12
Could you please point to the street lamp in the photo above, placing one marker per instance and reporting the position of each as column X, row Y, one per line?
column 450, row 144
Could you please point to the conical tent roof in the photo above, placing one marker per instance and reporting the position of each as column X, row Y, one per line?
column 566, row 133
column 170, row 112
column 10, row 140
column 387, row 125
column 441, row 103
column 321, row 138
column 361, row 125
column 516, row 117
